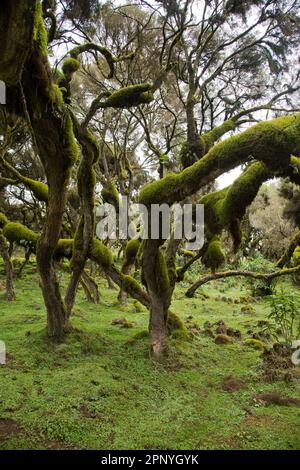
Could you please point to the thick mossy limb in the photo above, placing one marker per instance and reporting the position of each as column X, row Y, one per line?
column 272, row 143
column 39, row 189
column 101, row 254
column 132, row 95
column 18, row 233
column 243, row 191
column 130, row 285
column 214, row 256
column 225, row 208
column 213, row 204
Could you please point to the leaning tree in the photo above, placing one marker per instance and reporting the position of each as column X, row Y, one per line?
column 219, row 68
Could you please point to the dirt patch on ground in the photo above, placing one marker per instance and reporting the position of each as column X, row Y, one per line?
column 56, row 445
column 255, row 420
column 277, row 364
column 232, row 384
column 274, row 398
column 8, row 428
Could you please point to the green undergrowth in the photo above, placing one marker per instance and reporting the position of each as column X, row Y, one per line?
column 100, row 389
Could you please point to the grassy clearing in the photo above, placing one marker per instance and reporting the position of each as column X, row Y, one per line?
column 101, row 390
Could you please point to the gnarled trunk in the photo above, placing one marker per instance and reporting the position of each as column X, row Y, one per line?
column 56, row 311
column 155, row 273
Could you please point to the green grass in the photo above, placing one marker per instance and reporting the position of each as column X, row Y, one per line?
column 101, row 390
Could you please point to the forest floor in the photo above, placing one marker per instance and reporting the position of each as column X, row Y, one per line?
column 101, row 389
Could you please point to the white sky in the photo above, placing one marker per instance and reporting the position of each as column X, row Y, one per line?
column 228, row 178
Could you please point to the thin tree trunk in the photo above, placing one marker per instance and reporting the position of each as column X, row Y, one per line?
column 8, row 268
column 56, row 312
column 90, row 288
column 122, row 297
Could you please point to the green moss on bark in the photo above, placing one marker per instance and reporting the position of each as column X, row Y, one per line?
column 214, row 256
column 40, row 35
column 130, row 285
column 70, row 140
column 271, row 142
column 132, row 95
column 3, row 220
column 101, row 254
column 110, row 194
column 18, row 233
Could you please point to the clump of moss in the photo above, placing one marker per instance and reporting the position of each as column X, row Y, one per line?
column 127, row 325
column 141, row 335
column 137, row 306
column 3, row 220
column 40, row 35
column 174, row 323
column 223, row 339
column 214, row 256
column 57, row 96
column 110, row 194
column 129, row 96
column 254, row 344
column 101, row 254
column 69, row 67
column 15, row 232
column 296, row 256
column 248, row 309
column 181, row 335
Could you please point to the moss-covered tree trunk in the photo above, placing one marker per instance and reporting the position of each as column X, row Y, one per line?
column 56, row 312
column 85, row 231
column 4, row 252
column 156, row 277
column 53, row 138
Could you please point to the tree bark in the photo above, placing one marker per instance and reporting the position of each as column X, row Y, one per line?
column 160, row 293
column 8, row 269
